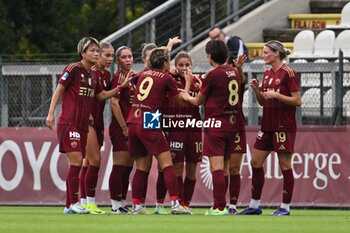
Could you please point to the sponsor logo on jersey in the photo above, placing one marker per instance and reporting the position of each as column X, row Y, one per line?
column 176, row 145
column 74, row 135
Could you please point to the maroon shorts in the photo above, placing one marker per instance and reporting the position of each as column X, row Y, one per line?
column 100, row 136
column 70, row 139
column 240, row 142
column 119, row 141
column 218, row 144
column 275, row 141
column 185, row 144
column 143, row 142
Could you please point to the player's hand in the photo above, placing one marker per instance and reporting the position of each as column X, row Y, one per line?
column 254, row 83
column 188, row 75
column 50, row 120
column 240, row 61
column 199, row 82
column 269, row 95
column 173, row 41
column 131, row 75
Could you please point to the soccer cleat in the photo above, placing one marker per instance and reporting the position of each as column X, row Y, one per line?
column 280, row 212
column 121, row 210
column 232, row 211
column 219, row 212
column 208, row 212
column 160, row 209
column 251, row 211
column 67, row 211
column 94, row 209
column 140, row 211
column 188, row 209
column 84, row 205
column 179, row 210
column 78, row 209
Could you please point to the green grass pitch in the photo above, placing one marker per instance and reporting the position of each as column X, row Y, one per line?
column 51, row 219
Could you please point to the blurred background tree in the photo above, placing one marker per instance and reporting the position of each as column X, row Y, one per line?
column 55, row 26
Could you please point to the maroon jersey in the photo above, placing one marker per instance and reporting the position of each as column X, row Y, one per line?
column 151, row 90
column 222, row 88
column 176, row 112
column 78, row 97
column 125, row 96
column 99, row 106
column 278, row 116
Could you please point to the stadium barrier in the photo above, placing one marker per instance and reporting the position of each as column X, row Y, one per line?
column 32, row 171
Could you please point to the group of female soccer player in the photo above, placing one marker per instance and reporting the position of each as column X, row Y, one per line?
column 85, row 85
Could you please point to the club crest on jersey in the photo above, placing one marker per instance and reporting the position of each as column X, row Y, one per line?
column 65, row 76
column 82, row 75
column 277, row 81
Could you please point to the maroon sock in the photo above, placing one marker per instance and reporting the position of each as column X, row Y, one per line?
column 188, row 190
column 180, row 186
column 171, row 182
column 67, row 194
column 138, row 186
column 161, row 187
column 73, row 183
column 91, row 181
column 82, row 182
column 257, row 182
column 115, row 182
column 226, row 184
column 143, row 200
column 125, row 181
column 288, row 185
column 235, row 186
column 219, row 189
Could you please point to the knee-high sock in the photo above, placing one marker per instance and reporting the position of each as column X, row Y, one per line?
column 188, row 190
column 257, row 182
column 143, row 200
column 125, row 182
column 91, row 178
column 138, row 186
column 219, row 189
column 180, row 186
column 82, row 182
column 161, row 188
column 171, row 182
column 235, row 186
column 115, row 182
column 226, row 184
column 288, row 185
column 67, row 195
column 73, row 183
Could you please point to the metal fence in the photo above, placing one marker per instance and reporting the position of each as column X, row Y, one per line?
column 188, row 19
column 26, row 90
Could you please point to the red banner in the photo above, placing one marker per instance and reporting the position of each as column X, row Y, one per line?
column 32, row 171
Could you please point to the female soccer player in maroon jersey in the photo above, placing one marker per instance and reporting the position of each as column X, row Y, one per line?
column 118, row 131
column 91, row 164
column 78, row 87
column 279, row 95
column 240, row 144
column 184, row 142
column 146, row 137
column 220, row 94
